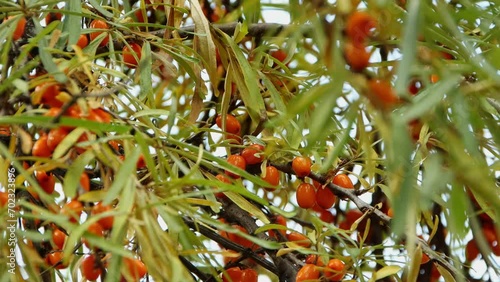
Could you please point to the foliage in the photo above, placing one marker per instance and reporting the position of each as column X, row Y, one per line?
column 132, row 144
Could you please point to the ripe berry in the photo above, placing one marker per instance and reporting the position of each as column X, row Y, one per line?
column 55, row 259
column 232, row 124
column 99, row 24
column 335, row 270
column 58, row 237
column 356, row 57
column 90, row 270
column 306, row 195
column 325, row 198
column 83, row 41
column 40, row 148
column 381, row 94
column 96, row 229
column 73, row 210
column 237, row 161
column 326, row 216
column 299, row 238
column 46, row 93
column 105, row 222
column 314, row 259
column 301, row 166
column 55, row 136
column 272, row 176
column 85, row 181
column 53, row 16
column 343, row 180
column 4, row 198
column 281, row 220
column 471, row 250
column 307, row 272
column 19, row 31
column 359, row 26
column 253, row 154
column 135, row 268
column 46, row 180
column 132, row 54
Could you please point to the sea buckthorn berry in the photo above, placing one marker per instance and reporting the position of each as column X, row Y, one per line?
column 425, row 259
column 89, row 268
column 40, row 147
column 301, row 166
column 279, row 54
column 299, row 238
column 83, row 41
column 306, row 195
column 232, row 274
column 325, row 198
column 343, row 180
column 272, row 176
column 135, row 268
column 53, row 16
column 381, row 94
column 281, row 220
column 335, row 270
column 232, row 124
column 307, row 272
column 326, row 216
column 356, row 57
column 237, row 161
column 73, row 210
column 253, row 154
column 105, row 222
column 21, row 25
column 55, row 136
column 58, row 237
column 359, row 26
column 85, row 181
column 471, row 250
column 46, row 180
column 132, row 54
column 4, row 198
column 96, row 229
column 414, row 86
column 46, row 93
column 99, row 24
column 55, row 259
column 314, row 259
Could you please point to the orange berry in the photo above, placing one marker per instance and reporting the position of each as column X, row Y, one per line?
column 99, row 24
column 105, row 222
column 301, row 166
column 307, row 272
column 281, row 220
column 335, row 270
column 326, row 216
column 131, row 54
column 232, row 124
column 272, row 176
column 425, row 259
column 314, row 259
column 73, row 210
column 237, row 161
column 471, row 250
column 40, row 148
column 232, row 274
column 306, row 195
column 434, row 78
column 85, row 181
column 55, row 259
column 58, row 237
column 83, row 41
column 55, row 136
column 4, row 198
column 135, row 268
column 299, row 238
column 356, row 57
column 96, row 229
column 53, row 16
column 390, row 212
column 48, row 94
column 325, row 198
column 46, row 180
column 90, row 270
column 19, row 31
column 381, row 94
column 359, row 26
column 253, row 154
column 343, row 180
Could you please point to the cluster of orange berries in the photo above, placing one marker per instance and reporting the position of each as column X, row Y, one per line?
column 334, row 270
column 131, row 52
column 358, row 28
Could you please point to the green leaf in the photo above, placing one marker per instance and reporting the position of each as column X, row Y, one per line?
column 73, row 174
column 124, row 177
column 145, row 71
column 385, row 271
column 72, row 20
column 247, row 206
